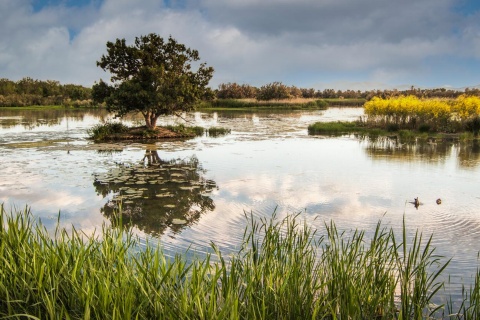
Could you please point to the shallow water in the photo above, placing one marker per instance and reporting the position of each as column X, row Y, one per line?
column 191, row 193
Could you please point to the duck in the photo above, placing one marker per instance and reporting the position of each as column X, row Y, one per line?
column 416, row 202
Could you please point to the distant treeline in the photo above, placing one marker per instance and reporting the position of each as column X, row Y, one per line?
column 30, row 92
column 280, row 91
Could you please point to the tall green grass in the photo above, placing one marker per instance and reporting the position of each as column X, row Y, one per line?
column 335, row 128
column 284, row 269
column 102, row 131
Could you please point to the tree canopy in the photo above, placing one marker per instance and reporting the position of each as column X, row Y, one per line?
column 152, row 76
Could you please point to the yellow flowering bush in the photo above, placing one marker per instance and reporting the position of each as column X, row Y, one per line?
column 412, row 112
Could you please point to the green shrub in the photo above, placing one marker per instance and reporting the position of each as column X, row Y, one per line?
column 103, row 130
column 217, row 131
column 473, row 125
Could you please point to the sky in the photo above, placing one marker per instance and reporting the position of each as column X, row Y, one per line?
column 320, row 44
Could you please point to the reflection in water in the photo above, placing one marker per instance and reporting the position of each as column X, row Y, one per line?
column 468, row 153
column 155, row 194
column 32, row 118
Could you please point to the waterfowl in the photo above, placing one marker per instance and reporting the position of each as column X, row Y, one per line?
column 439, row 201
column 416, row 202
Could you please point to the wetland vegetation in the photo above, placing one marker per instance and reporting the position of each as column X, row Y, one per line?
column 283, row 269
column 408, row 117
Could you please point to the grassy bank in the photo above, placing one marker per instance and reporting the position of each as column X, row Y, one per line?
column 283, row 270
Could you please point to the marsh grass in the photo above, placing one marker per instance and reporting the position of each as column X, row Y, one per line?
column 284, row 269
column 295, row 103
column 218, row 131
column 102, row 131
column 186, row 130
column 335, row 128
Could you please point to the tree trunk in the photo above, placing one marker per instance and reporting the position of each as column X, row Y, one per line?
column 150, row 120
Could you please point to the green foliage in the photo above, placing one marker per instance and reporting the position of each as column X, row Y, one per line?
column 334, row 128
column 152, row 76
column 274, row 91
column 473, row 125
column 235, row 91
column 218, row 131
column 30, row 92
column 187, row 131
column 104, row 130
column 283, row 270
column 317, row 104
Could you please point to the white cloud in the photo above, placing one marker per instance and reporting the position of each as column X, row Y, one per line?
column 253, row 42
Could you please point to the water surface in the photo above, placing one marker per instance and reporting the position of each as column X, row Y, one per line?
column 189, row 193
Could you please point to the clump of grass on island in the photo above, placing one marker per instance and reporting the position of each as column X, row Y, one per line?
column 335, row 128
column 218, row 131
column 284, row 269
column 186, row 130
column 103, row 131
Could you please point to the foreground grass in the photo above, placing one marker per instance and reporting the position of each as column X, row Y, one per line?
column 283, row 270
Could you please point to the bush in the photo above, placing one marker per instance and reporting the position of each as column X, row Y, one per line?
column 103, row 130
column 473, row 125
column 217, row 131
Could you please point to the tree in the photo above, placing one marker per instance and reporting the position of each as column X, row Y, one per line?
column 152, row 76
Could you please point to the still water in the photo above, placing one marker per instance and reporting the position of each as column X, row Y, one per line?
column 193, row 192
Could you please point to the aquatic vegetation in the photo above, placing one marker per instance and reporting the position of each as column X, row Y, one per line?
column 185, row 130
column 284, row 269
column 218, row 131
column 102, row 131
column 335, row 128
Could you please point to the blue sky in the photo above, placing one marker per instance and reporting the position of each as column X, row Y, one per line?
column 339, row 44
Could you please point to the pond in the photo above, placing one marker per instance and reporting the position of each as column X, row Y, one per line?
column 189, row 193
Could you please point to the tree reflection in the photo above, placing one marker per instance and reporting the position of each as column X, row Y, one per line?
column 155, row 194
column 32, row 118
column 468, row 153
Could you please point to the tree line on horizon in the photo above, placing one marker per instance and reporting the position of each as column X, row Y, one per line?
column 280, row 91
column 32, row 92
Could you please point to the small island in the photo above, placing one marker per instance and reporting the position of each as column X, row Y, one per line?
column 408, row 117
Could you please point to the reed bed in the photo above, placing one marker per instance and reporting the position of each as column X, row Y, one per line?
column 283, row 270
column 294, row 103
column 335, row 128
column 217, row 131
column 440, row 115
